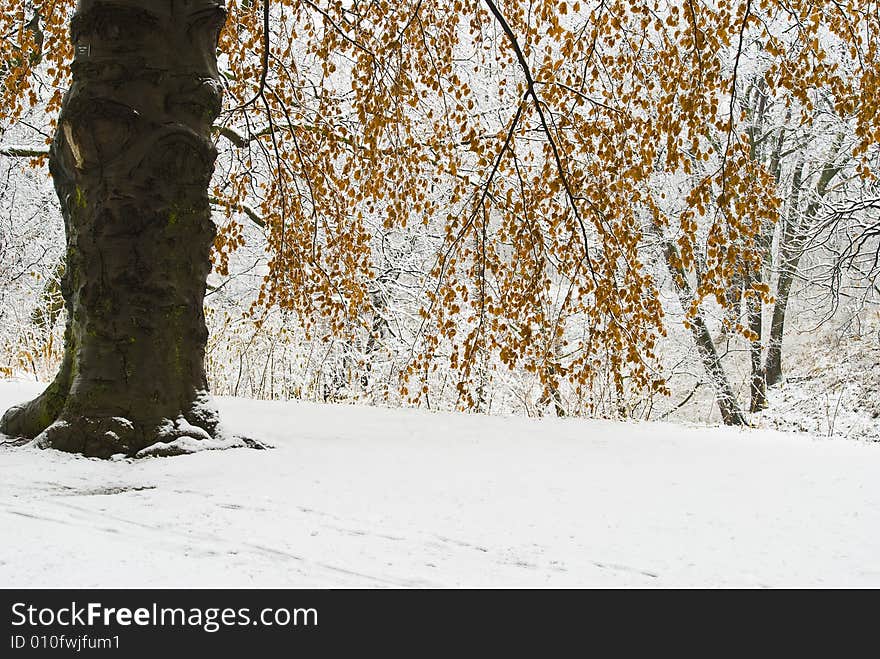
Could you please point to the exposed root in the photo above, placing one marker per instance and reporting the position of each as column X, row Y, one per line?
column 33, row 417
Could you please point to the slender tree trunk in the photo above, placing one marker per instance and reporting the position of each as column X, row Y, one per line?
column 758, row 386
column 755, row 320
column 773, row 363
column 731, row 311
column 131, row 161
column 552, row 394
column 754, row 302
column 731, row 414
column 555, row 370
column 787, row 267
column 791, row 244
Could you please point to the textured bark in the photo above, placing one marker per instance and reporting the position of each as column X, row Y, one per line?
column 131, row 161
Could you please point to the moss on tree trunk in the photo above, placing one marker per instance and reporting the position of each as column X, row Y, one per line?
column 131, row 161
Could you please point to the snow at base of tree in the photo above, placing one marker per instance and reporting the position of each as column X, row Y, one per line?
column 832, row 386
column 357, row 496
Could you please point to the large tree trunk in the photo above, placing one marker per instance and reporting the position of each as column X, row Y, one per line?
column 131, row 161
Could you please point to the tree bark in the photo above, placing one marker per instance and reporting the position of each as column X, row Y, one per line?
column 788, row 259
column 753, row 301
column 731, row 413
column 758, row 386
column 755, row 319
column 131, row 161
column 793, row 236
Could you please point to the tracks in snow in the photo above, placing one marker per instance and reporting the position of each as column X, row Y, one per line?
column 313, row 545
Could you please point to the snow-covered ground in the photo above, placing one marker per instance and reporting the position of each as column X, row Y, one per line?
column 365, row 497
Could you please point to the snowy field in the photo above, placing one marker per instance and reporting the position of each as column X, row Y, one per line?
column 363, row 497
